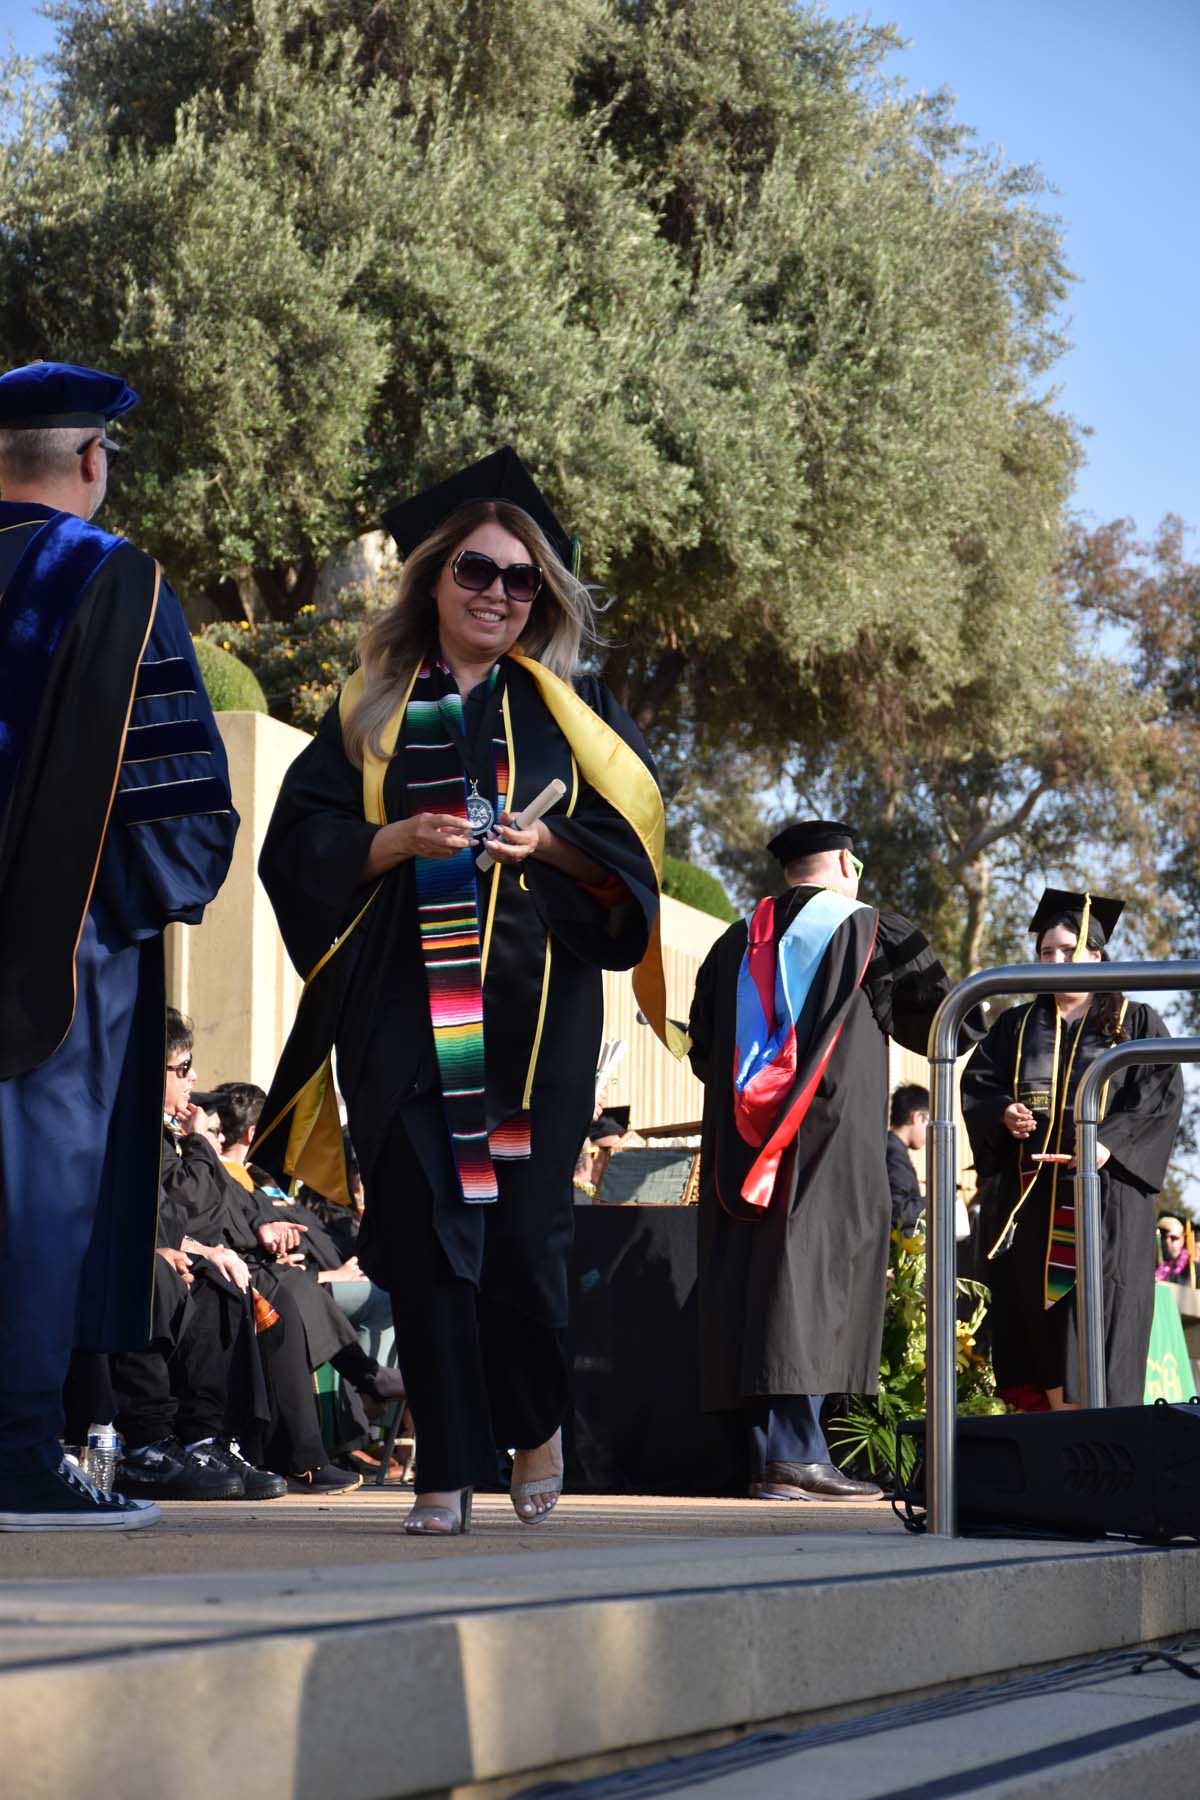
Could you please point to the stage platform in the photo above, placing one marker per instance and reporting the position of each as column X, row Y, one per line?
column 307, row 1648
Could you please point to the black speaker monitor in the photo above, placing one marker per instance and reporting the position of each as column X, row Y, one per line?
column 1132, row 1470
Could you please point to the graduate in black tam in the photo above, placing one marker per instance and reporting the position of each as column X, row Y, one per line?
column 809, row 838
column 500, row 476
column 1018, row 1101
column 115, row 819
column 789, row 1027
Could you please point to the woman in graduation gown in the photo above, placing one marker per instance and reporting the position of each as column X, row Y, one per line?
column 1018, row 1098
column 466, row 1006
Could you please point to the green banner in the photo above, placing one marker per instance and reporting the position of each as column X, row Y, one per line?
column 1168, row 1371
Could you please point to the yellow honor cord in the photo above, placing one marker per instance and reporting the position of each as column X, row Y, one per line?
column 1085, row 920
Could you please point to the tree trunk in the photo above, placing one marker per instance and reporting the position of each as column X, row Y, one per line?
column 653, row 692
column 251, row 601
column 284, row 588
column 975, row 878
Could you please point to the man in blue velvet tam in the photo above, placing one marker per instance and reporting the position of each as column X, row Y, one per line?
column 115, row 819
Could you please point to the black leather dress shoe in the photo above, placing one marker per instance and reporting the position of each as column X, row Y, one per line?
column 812, row 1481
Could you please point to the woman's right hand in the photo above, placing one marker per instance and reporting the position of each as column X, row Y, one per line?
column 1018, row 1120
column 438, row 836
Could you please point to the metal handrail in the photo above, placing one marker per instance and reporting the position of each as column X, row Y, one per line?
column 1089, row 1274
column 940, row 1275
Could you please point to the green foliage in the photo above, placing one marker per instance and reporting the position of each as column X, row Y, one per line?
column 230, row 685
column 696, row 887
column 772, row 333
column 300, row 663
column 866, row 1432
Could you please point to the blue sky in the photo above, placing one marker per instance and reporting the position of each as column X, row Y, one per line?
column 1101, row 94
column 1096, row 92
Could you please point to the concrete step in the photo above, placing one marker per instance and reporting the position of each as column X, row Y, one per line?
column 1107, row 1729
column 417, row 1674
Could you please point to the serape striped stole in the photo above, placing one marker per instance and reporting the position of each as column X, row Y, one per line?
column 1062, row 1083
column 779, row 1060
column 448, row 917
column 1062, row 1246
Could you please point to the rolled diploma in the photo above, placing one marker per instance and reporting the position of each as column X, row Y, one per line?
column 552, row 792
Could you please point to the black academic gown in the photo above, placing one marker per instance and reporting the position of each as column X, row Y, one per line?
column 1032, row 1345
column 372, row 998
column 219, row 1210
column 791, row 1301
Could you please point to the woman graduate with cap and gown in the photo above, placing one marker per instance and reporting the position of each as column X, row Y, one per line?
column 1018, row 1096
column 465, row 1003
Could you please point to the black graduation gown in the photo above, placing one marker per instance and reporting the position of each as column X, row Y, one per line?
column 792, row 1302
column 1033, row 1345
column 204, row 1202
column 375, row 1007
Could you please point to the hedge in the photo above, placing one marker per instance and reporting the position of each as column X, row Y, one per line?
column 696, row 887
column 232, row 687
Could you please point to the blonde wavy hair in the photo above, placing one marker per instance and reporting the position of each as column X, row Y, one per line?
column 560, row 619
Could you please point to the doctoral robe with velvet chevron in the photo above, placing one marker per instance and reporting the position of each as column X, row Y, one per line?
column 115, row 819
column 792, row 1293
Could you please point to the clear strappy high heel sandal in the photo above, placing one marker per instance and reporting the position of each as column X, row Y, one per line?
column 441, row 1521
column 539, row 1488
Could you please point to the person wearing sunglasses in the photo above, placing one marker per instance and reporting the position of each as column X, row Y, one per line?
column 116, row 818
column 789, row 1026
column 467, row 1003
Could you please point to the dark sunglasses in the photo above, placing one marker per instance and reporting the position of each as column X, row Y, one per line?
column 105, row 443
column 180, row 1068
column 522, row 582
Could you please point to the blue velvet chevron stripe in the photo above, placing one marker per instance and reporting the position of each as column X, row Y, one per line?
column 174, row 737
column 172, row 800
column 170, row 675
column 59, row 563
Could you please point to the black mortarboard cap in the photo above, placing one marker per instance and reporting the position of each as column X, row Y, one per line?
column 1058, row 906
column 613, row 1122
column 44, row 395
column 500, row 476
column 808, row 838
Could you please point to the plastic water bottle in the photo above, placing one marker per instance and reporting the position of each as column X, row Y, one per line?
column 100, row 1458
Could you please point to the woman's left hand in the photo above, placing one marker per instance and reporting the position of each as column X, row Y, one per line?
column 512, row 843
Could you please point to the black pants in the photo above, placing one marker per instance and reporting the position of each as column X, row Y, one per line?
column 292, row 1440
column 484, row 1368
column 193, row 1381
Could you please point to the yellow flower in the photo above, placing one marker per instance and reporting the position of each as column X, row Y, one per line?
column 914, row 1245
column 225, row 644
column 308, row 609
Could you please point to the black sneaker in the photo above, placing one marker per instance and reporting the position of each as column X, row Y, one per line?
column 325, row 1480
column 168, row 1471
column 63, row 1499
column 257, row 1484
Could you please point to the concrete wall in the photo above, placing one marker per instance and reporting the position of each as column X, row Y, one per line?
column 660, row 1090
column 231, row 974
